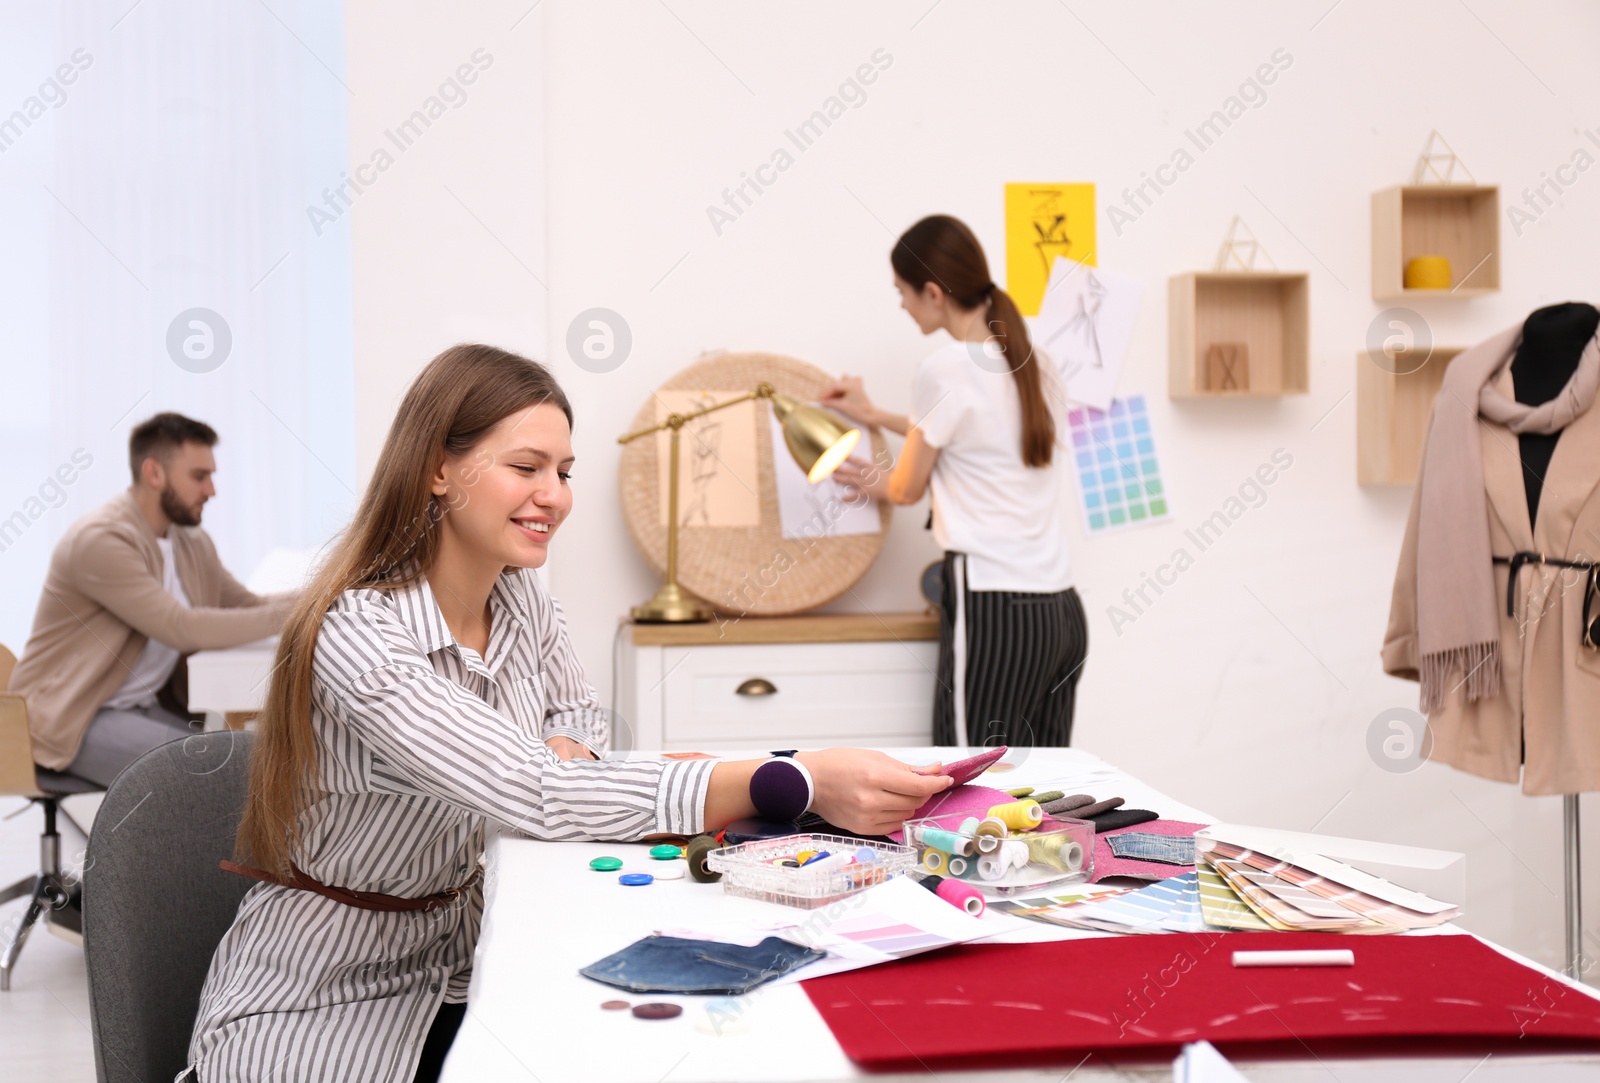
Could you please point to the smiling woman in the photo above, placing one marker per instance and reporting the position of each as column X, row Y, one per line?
column 425, row 686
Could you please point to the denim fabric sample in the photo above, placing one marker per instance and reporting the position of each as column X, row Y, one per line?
column 670, row 964
column 1143, row 846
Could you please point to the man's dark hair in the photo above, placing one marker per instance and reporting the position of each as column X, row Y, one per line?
column 162, row 435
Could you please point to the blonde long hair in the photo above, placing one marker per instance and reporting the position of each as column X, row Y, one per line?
column 392, row 542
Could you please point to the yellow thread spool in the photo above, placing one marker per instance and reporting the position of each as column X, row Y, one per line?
column 1018, row 815
column 1046, row 850
column 935, row 861
column 1427, row 273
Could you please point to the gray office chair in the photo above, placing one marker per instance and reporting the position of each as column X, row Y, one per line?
column 155, row 902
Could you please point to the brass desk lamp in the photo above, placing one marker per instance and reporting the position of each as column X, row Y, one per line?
column 814, row 437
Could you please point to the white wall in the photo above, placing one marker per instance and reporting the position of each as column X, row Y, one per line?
column 1248, row 688
column 449, row 238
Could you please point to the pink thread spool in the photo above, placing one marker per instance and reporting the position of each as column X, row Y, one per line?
column 963, row 895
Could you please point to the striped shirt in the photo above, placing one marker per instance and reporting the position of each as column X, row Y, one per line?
column 420, row 743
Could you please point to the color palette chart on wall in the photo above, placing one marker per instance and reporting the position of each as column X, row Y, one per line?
column 1119, row 475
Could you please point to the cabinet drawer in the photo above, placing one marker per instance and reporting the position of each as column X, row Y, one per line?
column 825, row 693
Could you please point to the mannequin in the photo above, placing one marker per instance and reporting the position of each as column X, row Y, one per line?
column 1553, row 339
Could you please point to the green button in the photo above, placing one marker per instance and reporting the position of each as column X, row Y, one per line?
column 606, row 864
column 666, row 852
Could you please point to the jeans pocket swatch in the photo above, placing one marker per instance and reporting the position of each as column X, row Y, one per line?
column 671, row 964
column 1144, row 846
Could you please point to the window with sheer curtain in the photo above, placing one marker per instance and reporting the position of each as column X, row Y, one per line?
column 156, row 164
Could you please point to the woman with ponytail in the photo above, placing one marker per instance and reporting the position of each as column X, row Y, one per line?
column 425, row 687
column 982, row 434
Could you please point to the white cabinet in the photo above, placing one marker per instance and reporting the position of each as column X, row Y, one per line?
column 778, row 682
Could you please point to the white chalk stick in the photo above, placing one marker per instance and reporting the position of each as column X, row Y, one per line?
column 1328, row 957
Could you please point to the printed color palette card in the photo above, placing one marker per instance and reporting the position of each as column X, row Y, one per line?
column 1119, row 475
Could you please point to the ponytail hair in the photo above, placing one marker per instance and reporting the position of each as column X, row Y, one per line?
column 942, row 250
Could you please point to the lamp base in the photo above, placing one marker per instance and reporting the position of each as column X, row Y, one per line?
column 671, row 605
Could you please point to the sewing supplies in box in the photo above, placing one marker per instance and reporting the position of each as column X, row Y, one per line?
column 808, row 870
column 1014, row 848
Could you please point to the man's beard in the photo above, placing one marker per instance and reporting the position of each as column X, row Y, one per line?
column 177, row 512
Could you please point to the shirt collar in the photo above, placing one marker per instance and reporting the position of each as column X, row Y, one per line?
column 418, row 610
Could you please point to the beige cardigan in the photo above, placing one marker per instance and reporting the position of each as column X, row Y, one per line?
column 1549, row 681
column 102, row 598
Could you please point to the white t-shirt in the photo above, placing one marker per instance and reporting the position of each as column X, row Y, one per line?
column 1010, row 519
column 156, row 662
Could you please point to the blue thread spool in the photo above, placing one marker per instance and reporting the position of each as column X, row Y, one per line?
column 948, row 841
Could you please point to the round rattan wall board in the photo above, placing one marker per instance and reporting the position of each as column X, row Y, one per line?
column 745, row 569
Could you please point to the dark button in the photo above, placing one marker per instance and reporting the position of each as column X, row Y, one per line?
column 659, row 1009
column 433, row 987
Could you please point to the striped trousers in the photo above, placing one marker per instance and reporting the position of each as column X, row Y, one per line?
column 1016, row 668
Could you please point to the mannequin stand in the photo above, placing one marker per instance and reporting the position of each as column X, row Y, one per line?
column 1574, row 870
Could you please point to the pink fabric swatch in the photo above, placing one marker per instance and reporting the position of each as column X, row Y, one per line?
column 1107, row 863
column 969, row 799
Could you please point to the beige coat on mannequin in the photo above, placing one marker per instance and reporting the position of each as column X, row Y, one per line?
column 1550, row 682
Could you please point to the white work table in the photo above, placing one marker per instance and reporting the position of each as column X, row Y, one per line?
column 532, row 1016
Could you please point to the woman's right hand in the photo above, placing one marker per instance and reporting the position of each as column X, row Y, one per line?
column 869, row 792
column 849, row 397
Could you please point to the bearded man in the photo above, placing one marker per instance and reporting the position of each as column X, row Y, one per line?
column 133, row 588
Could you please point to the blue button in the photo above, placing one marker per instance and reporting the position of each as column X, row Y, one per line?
column 635, row 879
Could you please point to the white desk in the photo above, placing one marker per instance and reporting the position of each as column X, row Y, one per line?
column 531, row 1016
column 231, row 680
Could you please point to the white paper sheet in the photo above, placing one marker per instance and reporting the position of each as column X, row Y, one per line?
column 824, row 510
column 1084, row 325
column 899, row 915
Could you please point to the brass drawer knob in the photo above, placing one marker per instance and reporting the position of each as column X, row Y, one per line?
column 757, row 686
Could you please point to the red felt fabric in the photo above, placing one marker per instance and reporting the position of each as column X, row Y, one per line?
column 1026, row 1001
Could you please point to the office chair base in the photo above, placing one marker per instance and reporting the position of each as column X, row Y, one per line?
column 45, row 893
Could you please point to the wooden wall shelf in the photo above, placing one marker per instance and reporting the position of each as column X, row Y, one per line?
column 1392, row 416
column 1458, row 221
column 1268, row 312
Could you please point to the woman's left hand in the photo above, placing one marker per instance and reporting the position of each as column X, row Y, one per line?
column 566, row 748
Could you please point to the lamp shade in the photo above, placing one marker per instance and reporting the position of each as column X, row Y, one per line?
column 816, row 439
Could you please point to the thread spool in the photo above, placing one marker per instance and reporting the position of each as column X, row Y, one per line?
column 991, row 866
column 935, row 861
column 1427, row 273
column 1018, row 815
column 965, row 896
column 1056, row 850
column 969, row 827
column 959, row 865
column 948, row 841
column 1015, row 854
column 992, row 828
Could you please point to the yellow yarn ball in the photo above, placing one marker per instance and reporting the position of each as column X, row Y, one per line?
column 1428, row 273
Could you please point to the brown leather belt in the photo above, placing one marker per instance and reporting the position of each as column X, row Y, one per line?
column 361, row 900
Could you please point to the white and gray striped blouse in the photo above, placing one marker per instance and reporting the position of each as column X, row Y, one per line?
column 420, row 743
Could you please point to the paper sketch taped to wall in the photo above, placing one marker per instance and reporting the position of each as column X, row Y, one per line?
column 1084, row 325
column 1045, row 222
column 717, row 465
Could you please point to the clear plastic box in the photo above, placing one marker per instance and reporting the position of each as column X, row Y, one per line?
column 751, row 869
column 1062, row 852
